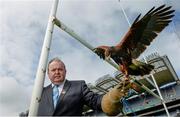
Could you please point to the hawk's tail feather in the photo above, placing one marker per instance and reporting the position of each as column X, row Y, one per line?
column 143, row 68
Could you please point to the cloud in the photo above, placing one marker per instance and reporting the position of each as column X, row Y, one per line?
column 14, row 97
column 98, row 22
column 166, row 44
column 21, row 40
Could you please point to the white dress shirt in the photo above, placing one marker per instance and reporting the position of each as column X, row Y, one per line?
column 60, row 86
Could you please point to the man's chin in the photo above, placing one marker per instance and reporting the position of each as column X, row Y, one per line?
column 58, row 81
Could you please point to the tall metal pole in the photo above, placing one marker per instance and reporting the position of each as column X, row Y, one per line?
column 77, row 37
column 40, row 75
column 159, row 92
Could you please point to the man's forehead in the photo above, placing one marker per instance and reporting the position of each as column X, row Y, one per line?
column 55, row 64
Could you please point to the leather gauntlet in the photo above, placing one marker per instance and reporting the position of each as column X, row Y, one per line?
column 111, row 100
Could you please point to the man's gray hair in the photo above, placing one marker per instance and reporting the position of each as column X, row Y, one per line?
column 55, row 59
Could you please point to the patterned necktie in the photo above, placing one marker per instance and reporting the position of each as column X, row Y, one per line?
column 55, row 95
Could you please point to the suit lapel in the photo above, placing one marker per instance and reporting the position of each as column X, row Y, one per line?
column 50, row 96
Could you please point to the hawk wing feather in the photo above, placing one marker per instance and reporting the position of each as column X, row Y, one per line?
column 144, row 31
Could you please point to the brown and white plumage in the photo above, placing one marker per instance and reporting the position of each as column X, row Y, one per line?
column 140, row 35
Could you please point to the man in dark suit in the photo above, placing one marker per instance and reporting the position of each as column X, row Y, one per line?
column 67, row 98
column 72, row 94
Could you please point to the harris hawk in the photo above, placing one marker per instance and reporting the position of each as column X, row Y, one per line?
column 140, row 35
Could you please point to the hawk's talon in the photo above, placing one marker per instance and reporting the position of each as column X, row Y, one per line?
column 108, row 57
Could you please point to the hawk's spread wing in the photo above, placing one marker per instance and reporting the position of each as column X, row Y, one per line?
column 143, row 31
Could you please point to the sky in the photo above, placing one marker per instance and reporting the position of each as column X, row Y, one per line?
column 99, row 22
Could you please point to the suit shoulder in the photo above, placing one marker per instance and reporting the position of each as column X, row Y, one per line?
column 47, row 87
column 77, row 81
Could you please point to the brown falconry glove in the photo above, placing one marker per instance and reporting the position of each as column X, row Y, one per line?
column 111, row 100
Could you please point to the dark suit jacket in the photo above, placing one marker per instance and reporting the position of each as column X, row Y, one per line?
column 73, row 96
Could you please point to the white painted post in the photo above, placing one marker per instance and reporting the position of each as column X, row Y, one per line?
column 40, row 75
column 159, row 92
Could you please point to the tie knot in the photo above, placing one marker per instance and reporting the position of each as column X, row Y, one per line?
column 55, row 88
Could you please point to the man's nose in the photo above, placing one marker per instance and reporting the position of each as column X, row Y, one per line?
column 57, row 71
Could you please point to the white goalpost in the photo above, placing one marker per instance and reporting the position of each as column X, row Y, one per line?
column 41, row 71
